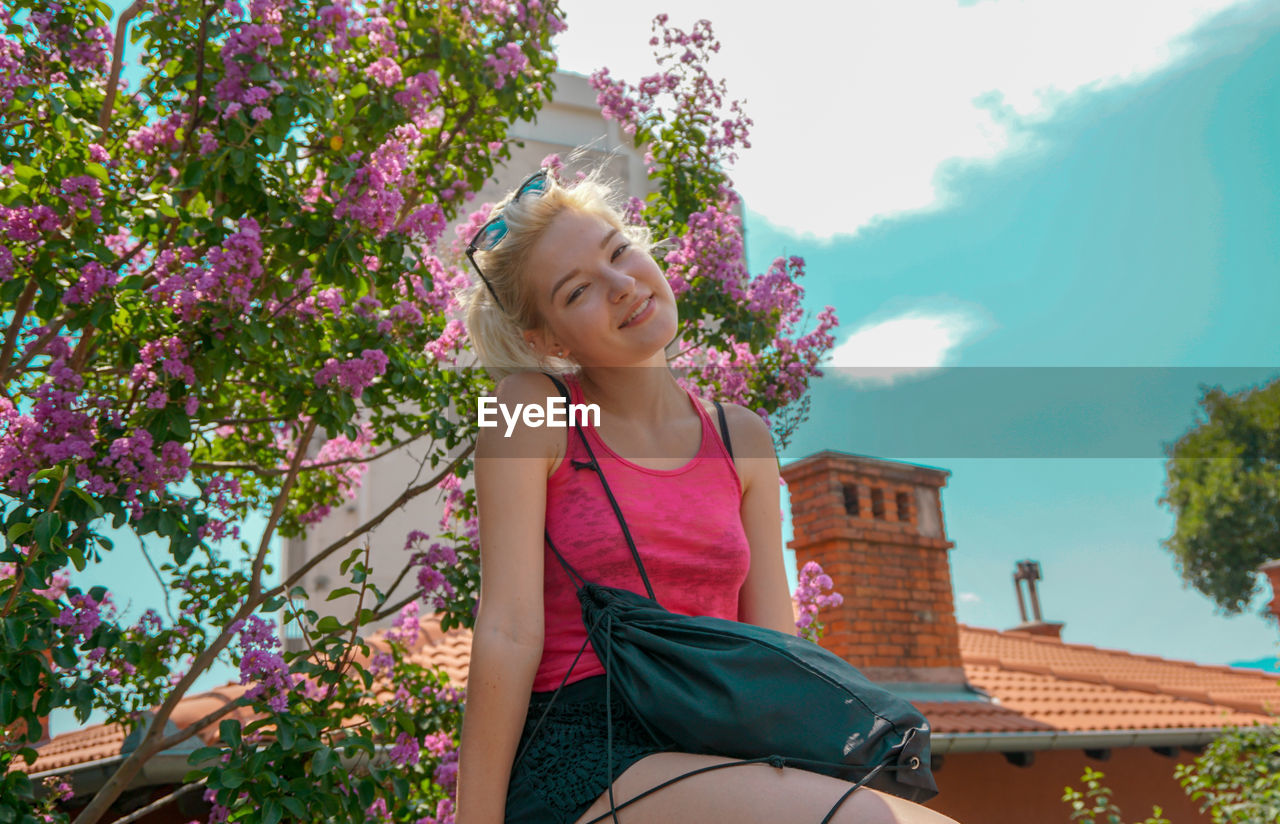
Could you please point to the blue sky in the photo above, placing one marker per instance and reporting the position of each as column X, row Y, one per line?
column 983, row 186
column 1085, row 191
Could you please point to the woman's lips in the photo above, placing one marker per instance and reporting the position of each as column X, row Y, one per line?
column 645, row 310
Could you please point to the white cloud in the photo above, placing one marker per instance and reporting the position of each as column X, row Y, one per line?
column 858, row 106
column 907, row 345
column 969, row 598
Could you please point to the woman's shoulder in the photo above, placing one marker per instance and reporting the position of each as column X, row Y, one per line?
column 748, row 432
column 506, row 432
column 525, row 387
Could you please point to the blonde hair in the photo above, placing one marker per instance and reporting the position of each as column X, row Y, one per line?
column 497, row 336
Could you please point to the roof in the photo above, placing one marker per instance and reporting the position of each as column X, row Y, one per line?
column 1041, row 684
column 1026, row 685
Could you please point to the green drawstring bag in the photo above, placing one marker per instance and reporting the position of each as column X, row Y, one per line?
column 712, row 686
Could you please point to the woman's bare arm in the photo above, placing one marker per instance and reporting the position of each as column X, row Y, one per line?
column 764, row 599
column 511, row 488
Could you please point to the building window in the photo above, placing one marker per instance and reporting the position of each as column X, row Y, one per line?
column 877, row 503
column 904, row 507
column 851, row 500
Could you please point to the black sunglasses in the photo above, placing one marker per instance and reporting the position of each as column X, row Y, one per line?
column 492, row 233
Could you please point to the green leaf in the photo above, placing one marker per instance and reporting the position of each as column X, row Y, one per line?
column 229, row 731
column 19, row 529
column 295, row 806
column 13, row 634
column 87, row 498
column 204, row 754
column 341, row 592
column 47, row 525
column 285, row 735
column 328, row 624
column 76, row 554
column 323, row 761
column 357, row 91
column 232, row 778
column 366, row 791
column 64, row 657
column 272, row 812
column 192, row 176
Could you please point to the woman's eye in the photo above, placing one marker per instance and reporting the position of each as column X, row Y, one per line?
column 617, row 252
column 575, row 293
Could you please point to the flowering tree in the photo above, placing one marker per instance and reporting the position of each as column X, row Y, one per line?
column 229, row 290
column 760, row 357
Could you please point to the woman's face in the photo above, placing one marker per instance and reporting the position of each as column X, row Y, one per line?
column 603, row 302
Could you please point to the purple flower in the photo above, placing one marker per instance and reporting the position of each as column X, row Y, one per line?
column 82, row 617
column 261, row 665
column 385, row 71
column 811, row 596
column 406, row 751
column 507, row 61
column 93, row 278
column 356, row 374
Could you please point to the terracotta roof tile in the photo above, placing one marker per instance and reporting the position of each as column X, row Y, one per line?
column 1034, row 683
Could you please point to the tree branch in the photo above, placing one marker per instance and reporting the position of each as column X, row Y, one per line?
column 202, row 38
column 264, row 471
column 15, row 326
column 117, row 63
column 151, row 742
column 160, row 802
column 277, row 510
column 406, row 496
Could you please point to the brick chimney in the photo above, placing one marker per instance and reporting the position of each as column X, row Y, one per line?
column 1272, row 570
column 876, row 528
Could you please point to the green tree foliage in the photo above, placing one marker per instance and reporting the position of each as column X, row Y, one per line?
column 1223, row 484
column 1094, row 804
column 1238, row 777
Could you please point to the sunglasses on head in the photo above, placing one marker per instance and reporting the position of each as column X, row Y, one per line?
column 492, row 233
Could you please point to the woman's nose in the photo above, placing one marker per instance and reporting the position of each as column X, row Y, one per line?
column 620, row 284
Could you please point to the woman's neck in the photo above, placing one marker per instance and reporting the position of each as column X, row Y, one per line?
column 638, row 395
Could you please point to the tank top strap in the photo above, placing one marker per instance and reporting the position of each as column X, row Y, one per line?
column 713, row 445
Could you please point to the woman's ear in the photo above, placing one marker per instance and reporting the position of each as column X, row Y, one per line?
column 543, row 344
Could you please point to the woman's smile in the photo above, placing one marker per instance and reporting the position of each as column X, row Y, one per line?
column 642, row 312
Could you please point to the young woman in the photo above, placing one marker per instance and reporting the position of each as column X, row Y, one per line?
column 567, row 287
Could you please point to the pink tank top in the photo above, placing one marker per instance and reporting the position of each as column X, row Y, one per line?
column 686, row 524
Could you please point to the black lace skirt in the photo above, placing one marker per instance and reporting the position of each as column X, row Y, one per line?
column 565, row 768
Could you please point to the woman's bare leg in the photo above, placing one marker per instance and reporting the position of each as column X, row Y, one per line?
column 746, row 794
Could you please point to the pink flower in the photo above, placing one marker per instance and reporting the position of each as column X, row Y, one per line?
column 356, row 374
column 384, row 71
column 507, row 62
